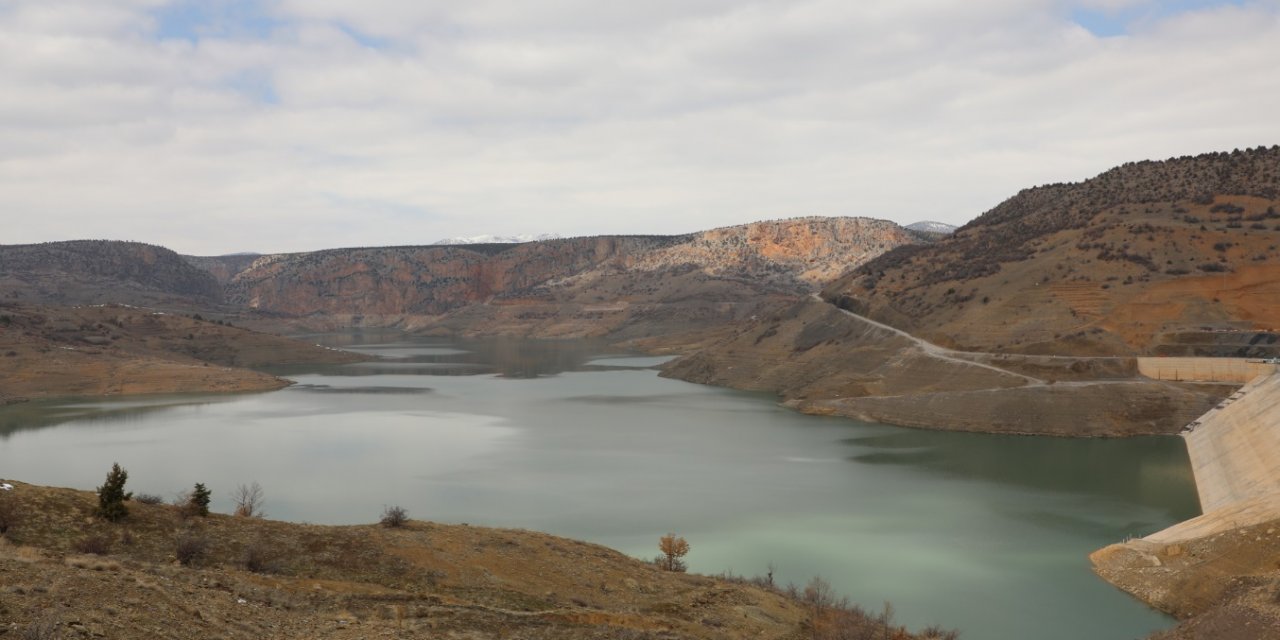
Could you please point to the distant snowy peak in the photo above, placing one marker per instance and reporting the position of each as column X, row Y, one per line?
column 492, row 239
column 932, row 227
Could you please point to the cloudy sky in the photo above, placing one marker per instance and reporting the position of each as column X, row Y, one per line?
column 215, row 126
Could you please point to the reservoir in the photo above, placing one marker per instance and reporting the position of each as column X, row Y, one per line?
column 987, row 534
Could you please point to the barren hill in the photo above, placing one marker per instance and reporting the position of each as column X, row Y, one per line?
column 111, row 349
column 565, row 287
column 102, row 271
column 1172, row 257
column 162, row 574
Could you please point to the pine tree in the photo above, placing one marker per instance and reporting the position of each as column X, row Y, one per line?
column 200, row 499
column 111, row 495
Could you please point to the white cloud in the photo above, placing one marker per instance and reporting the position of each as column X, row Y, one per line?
column 391, row 122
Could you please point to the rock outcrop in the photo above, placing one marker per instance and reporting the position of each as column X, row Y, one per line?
column 565, row 287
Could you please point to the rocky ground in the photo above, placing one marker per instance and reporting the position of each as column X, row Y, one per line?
column 1225, row 586
column 65, row 573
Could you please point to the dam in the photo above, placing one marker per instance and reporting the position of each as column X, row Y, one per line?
column 1234, row 447
column 1234, row 450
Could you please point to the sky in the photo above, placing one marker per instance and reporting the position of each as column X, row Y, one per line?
column 221, row 126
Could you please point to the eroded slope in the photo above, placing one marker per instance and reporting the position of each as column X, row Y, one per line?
column 1148, row 258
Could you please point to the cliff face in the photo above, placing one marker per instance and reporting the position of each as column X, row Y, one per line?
column 563, row 287
column 1148, row 258
column 798, row 254
column 101, row 271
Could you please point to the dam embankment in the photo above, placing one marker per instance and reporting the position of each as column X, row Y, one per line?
column 1238, row 370
column 1218, row 560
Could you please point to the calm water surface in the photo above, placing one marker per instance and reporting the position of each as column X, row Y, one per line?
column 988, row 534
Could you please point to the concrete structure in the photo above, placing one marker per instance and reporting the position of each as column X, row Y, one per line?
column 1235, row 455
column 1237, row 370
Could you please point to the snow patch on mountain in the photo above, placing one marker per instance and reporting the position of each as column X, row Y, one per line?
column 932, row 227
column 492, row 239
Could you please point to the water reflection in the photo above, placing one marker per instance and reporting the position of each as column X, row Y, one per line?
column 31, row 416
column 1152, row 470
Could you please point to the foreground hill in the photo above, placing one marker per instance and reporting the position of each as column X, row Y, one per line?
column 1174, row 258
column 111, row 349
column 103, row 271
column 67, row 573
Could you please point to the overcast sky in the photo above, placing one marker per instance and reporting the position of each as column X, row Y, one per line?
column 216, row 126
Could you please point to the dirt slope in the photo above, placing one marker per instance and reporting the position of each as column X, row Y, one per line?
column 309, row 581
column 821, row 360
column 111, row 349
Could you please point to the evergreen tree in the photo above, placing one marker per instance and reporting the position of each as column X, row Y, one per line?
column 111, row 495
column 200, row 499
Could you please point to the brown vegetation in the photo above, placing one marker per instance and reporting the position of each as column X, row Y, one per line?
column 249, row 578
column 1107, row 266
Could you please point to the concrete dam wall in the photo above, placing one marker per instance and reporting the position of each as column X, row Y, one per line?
column 1239, row 370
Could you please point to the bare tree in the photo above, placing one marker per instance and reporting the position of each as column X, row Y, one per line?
column 249, row 501
column 673, row 548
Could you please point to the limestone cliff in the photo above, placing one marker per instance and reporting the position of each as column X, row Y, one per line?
column 565, row 287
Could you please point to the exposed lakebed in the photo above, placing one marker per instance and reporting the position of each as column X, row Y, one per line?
column 988, row 534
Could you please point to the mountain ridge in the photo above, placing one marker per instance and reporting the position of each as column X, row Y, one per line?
column 1133, row 261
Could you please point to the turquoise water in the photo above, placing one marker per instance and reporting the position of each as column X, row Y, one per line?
column 988, row 534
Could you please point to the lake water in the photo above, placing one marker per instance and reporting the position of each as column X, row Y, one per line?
column 988, row 534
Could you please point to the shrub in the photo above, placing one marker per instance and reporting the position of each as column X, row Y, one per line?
column 673, row 548
column 249, row 501
column 394, row 516
column 45, row 628
column 98, row 544
column 10, row 514
column 148, row 498
column 261, row 558
column 111, row 495
column 190, row 548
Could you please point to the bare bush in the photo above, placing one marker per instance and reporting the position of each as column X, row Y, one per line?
column 394, row 516
column 260, row 557
column 249, row 500
column 45, row 628
column 190, row 548
column 10, row 514
column 97, row 543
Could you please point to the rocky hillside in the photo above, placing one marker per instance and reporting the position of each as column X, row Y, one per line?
column 102, row 271
column 565, row 287
column 223, row 268
column 1149, row 257
column 160, row 573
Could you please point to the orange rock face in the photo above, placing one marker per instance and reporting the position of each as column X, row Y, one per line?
column 788, row 255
